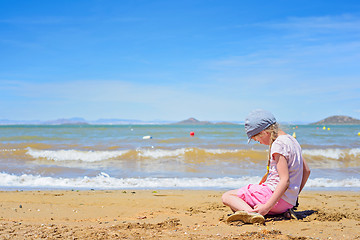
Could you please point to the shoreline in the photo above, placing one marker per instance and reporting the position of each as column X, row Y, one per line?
column 167, row 214
column 210, row 189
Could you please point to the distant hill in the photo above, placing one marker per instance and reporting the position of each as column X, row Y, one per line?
column 225, row 123
column 194, row 121
column 115, row 121
column 338, row 120
column 112, row 121
column 65, row 121
column 80, row 121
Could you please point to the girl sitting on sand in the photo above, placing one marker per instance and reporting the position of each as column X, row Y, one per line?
column 287, row 173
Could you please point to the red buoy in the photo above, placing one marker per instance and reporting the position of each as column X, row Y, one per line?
column 192, row 133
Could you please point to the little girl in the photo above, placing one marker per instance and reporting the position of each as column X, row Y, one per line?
column 287, row 173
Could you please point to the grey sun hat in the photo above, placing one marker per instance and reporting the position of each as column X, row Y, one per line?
column 257, row 121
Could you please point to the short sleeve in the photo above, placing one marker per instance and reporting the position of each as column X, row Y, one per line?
column 280, row 148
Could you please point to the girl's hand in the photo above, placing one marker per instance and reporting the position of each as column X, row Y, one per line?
column 261, row 209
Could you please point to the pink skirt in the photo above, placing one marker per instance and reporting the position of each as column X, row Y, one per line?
column 254, row 194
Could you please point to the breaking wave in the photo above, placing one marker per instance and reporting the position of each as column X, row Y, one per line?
column 94, row 156
column 153, row 153
column 104, row 181
column 333, row 153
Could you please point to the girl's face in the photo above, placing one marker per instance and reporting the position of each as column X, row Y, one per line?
column 262, row 137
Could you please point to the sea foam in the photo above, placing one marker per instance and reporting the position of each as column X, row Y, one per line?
column 93, row 156
column 104, row 181
column 74, row 155
column 333, row 153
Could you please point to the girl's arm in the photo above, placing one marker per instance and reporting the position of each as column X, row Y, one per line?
column 306, row 174
column 282, row 168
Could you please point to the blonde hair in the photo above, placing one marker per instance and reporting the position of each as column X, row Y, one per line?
column 274, row 132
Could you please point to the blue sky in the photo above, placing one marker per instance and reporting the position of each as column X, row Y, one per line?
column 170, row 60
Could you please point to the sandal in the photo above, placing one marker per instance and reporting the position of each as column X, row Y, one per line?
column 292, row 214
column 246, row 217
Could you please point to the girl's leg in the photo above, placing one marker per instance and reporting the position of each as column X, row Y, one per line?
column 232, row 200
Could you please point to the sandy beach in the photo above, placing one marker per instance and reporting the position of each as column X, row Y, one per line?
column 167, row 214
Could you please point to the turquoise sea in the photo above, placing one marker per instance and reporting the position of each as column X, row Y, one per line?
column 122, row 157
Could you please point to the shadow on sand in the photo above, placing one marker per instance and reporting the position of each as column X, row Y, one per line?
column 285, row 216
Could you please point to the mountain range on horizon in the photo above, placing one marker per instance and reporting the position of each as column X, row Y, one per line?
column 338, row 120
column 78, row 121
column 332, row 120
column 110, row 121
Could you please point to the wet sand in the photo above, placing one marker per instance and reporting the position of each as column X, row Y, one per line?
column 167, row 214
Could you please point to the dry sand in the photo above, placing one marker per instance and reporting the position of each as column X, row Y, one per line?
column 167, row 214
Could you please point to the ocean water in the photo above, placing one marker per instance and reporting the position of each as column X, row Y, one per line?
column 118, row 157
